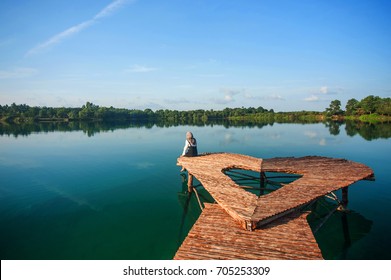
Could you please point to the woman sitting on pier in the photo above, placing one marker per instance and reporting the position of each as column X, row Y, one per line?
column 190, row 148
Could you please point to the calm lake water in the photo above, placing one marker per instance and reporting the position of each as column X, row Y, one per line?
column 80, row 193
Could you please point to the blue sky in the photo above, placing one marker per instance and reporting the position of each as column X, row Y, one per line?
column 194, row 54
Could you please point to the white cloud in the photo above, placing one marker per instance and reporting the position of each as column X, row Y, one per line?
column 320, row 93
column 140, row 69
column 110, row 9
column 56, row 39
column 275, row 97
column 324, row 90
column 18, row 73
column 59, row 37
column 312, row 98
column 228, row 98
column 228, row 95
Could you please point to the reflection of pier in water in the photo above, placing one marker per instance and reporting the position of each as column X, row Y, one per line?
column 335, row 230
column 275, row 227
column 192, row 206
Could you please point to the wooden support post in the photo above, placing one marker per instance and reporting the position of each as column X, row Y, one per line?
column 190, row 183
column 198, row 198
column 345, row 197
column 262, row 183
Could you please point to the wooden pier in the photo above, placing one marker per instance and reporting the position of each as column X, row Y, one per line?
column 239, row 209
column 216, row 235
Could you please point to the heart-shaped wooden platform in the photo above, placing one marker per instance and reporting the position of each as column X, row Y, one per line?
column 320, row 176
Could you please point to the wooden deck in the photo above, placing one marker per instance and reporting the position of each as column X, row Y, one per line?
column 208, row 169
column 320, row 176
column 216, row 235
column 275, row 227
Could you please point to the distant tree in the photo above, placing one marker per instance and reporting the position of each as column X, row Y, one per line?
column 334, row 108
column 384, row 107
column 43, row 112
column 370, row 103
column 351, row 107
column 88, row 111
column 73, row 114
column 62, row 112
column 148, row 112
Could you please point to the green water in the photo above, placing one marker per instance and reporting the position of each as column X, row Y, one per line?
column 115, row 192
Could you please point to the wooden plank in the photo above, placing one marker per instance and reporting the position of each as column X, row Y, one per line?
column 216, row 235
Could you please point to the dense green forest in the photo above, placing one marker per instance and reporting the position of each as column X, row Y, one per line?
column 367, row 130
column 370, row 108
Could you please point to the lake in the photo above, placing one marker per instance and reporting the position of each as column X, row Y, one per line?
column 109, row 191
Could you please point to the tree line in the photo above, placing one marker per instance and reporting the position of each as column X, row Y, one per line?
column 366, row 106
column 370, row 105
column 90, row 111
column 370, row 108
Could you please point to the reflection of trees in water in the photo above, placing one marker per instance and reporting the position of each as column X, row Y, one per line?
column 368, row 131
column 333, row 127
column 89, row 128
